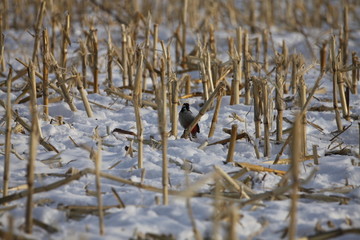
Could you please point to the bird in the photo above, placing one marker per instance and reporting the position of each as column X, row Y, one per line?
column 186, row 117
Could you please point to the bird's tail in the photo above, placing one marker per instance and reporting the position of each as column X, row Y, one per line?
column 195, row 130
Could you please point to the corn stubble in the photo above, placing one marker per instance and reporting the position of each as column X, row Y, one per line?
column 254, row 80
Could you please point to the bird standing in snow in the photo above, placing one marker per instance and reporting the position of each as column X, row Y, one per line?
column 186, row 117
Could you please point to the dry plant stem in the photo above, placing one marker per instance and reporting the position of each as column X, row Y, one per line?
column 2, row 50
column 246, row 56
column 257, row 54
column 190, row 192
column 293, row 84
column 11, row 227
column 234, row 218
column 209, row 71
column 231, row 150
column 203, row 72
column 53, row 33
column 125, row 181
column 323, row 58
column 8, row 117
column 167, row 59
column 174, row 112
column 184, row 25
column 287, row 160
column 147, row 36
column 32, row 79
column 252, row 16
column 109, row 11
column 95, row 68
column 4, row 15
column 344, row 97
column 127, row 97
column 163, row 132
column 197, row 234
column 7, row 235
column 207, row 105
column 315, row 154
column 178, row 44
column 137, row 104
column 279, row 95
column 204, row 80
column 256, row 168
column 45, row 77
column 110, row 53
column 302, row 94
column 118, row 198
column 88, row 209
column 226, row 140
column 216, row 211
column 156, row 39
column 304, row 108
column 238, row 186
column 37, row 29
column 239, row 38
column 285, row 65
column 46, row 188
column 295, row 153
column 98, row 159
column 257, row 110
column 212, row 41
column 131, row 60
column 216, row 114
column 65, row 41
column 237, row 70
column 46, row 227
column 231, row 46
column 345, row 38
column 34, row 140
column 124, row 55
column 73, row 177
column 256, row 149
column 265, row 38
column 341, row 88
column 354, row 74
column 273, row 193
column 18, row 119
column 83, row 94
column 266, row 120
column 335, row 80
column 61, row 82
column 146, row 49
column 187, row 80
column 84, row 56
column 332, row 234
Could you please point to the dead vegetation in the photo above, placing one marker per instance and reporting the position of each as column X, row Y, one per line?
column 256, row 73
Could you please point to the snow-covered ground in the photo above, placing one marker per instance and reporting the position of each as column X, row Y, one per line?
column 336, row 175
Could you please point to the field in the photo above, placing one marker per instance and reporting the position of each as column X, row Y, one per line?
column 91, row 146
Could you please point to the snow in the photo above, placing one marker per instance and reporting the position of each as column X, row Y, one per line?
column 266, row 220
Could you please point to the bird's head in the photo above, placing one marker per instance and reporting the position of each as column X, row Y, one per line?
column 185, row 107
